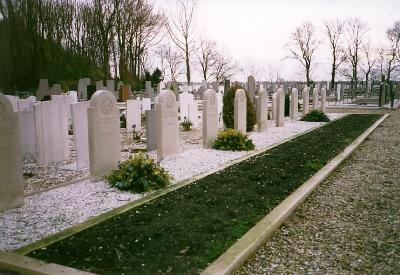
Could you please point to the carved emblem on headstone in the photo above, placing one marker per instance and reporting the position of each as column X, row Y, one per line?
column 212, row 99
column 106, row 105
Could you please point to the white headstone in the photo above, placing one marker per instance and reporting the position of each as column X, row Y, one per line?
column 280, row 108
column 14, row 102
column 146, row 104
column 11, row 180
column 167, row 125
column 82, row 88
column 240, row 111
column 210, row 118
column 28, row 135
column 323, row 100
column 133, row 115
column 306, row 100
column 26, row 104
column 294, row 105
column 262, row 110
column 104, row 135
column 185, row 99
column 51, row 126
column 338, row 91
column 80, row 128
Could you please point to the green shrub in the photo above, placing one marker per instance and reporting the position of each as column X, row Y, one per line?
column 287, row 105
column 315, row 116
column 186, row 124
column 228, row 109
column 232, row 140
column 122, row 121
column 139, row 174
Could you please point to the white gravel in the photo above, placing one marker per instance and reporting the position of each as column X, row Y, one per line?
column 48, row 212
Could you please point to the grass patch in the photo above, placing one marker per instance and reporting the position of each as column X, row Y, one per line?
column 188, row 228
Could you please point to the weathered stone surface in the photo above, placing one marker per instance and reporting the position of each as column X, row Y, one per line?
column 44, row 89
column 262, row 110
column 294, row 105
column 103, row 133
column 240, row 111
column 11, row 180
column 151, row 130
column 51, row 126
column 323, row 100
column 280, row 108
column 167, row 125
column 80, row 127
column 210, row 118
column 133, row 115
column 27, row 135
column 251, row 87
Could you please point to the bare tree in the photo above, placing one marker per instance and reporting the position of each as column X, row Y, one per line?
column 370, row 60
column 334, row 31
column 355, row 31
column 224, row 67
column 180, row 29
column 393, row 62
column 174, row 61
column 206, row 55
column 253, row 67
column 302, row 46
column 272, row 73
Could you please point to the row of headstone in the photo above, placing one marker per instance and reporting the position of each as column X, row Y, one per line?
column 44, row 89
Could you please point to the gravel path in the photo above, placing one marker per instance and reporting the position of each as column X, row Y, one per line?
column 351, row 223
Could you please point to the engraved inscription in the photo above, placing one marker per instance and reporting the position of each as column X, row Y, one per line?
column 106, row 105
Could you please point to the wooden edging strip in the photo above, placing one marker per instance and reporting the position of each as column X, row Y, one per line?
column 156, row 194
column 29, row 266
column 247, row 245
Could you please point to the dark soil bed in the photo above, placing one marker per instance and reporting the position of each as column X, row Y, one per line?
column 186, row 229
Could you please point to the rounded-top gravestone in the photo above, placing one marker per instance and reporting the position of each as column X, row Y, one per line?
column 11, row 180
column 104, row 134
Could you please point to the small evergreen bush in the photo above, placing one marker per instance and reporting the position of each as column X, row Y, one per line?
column 139, row 174
column 315, row 116
column 228, row 109
column 186, row 124
column 232, row 140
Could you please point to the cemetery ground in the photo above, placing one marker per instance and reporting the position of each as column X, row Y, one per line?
column 188, row 228
column 350, row 224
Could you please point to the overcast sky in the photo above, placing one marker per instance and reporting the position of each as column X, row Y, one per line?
column 257, row 30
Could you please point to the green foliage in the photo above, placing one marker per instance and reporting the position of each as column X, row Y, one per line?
column 251, row 119
column 139, row 174
column 186, row 124
column 315, row 116
column 232, row 140
column 122, row 121
column 287, row 105
column 228, row 109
